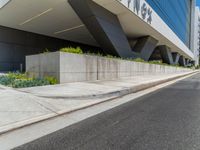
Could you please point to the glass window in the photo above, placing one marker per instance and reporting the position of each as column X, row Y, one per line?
column 176, row 14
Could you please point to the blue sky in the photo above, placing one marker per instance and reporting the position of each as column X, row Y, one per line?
column 198, row 2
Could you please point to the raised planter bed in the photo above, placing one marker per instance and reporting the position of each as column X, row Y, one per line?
column 68, row 67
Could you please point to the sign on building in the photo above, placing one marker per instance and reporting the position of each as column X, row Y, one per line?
column 140, row 8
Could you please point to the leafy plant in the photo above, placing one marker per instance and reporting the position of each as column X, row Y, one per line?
column 76, row 50
column 51, row 80
column 18, row 80
column 159, row 62
column 111, row 56
column 197, row 67
column 138, row 60
column 22, row 83
column 46, row 50
column 5, row 80
column 17, row 75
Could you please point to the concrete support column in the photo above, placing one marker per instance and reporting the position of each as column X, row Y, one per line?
column 145, row 47
column 166, row 54
column 192, row 62
column 176, row 57
column 187, row 61
column 182, row 61
column 104, row 26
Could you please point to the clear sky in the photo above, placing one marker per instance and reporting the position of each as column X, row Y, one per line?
column 198, row 2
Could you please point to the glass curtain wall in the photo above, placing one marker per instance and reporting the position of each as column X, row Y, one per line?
column 176, row 14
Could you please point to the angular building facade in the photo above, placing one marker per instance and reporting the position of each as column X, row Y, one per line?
column 147, row 29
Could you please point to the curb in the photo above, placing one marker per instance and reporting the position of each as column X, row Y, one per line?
column 110, row 96
column 122, row 92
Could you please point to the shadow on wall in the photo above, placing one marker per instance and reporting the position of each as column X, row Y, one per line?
column 16, row 44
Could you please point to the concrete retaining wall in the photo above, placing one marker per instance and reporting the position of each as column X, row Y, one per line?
column 68, row 67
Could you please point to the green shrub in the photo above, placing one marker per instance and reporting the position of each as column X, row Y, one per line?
column 94, row 54
column 111, row 56
column 197, row 67
column 16, row 75
column 51, row 80
column 46, row 50
column 5, row 80
column 79, row 51
column 138, row 60
column 22, row 83
column 18, row 80
column 159, row 62
column 76, row 50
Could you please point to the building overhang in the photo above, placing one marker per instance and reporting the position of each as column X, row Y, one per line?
column 54, row 18
column 57, row 19
column 135, row 26
column 3, row 3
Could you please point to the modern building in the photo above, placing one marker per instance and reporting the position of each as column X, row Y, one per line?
column 197, row 36
column 148, row 29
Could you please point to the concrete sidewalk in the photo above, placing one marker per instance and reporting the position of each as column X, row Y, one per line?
column 99, row 89
column 26, row 106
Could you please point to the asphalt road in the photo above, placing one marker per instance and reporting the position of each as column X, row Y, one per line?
column 168, row 119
